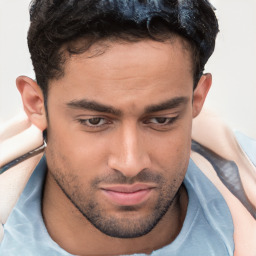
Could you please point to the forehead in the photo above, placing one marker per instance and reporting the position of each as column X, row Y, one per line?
column 125, row 55
column 123, row 69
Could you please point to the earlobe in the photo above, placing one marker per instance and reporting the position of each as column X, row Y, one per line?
column 200, row 93
column 33, row 101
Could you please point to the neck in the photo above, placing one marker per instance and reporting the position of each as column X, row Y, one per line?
column 75, row 234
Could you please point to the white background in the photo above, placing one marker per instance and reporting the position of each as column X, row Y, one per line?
column 233, row 65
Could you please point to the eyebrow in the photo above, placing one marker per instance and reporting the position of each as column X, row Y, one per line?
column 169, row 104
column 98, row 107
column 93, row 106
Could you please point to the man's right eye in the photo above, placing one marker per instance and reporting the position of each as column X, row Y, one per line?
column 93, row 122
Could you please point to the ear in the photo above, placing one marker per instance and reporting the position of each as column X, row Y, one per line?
column 33, row 101
column 200, row 93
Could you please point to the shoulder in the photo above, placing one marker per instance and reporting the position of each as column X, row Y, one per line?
column 236, row 183
column 18, row 158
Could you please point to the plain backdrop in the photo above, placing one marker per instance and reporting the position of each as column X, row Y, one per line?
column 233, row 64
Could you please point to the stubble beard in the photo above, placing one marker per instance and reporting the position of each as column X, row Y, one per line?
column 129, row 225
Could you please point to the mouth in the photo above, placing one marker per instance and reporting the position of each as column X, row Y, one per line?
column 128, row 195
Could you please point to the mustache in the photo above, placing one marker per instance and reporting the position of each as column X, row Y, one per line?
column 144, row 176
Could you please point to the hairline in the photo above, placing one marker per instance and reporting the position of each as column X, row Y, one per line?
column 106, row 43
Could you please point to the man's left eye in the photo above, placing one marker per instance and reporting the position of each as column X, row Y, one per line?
column 161, row 120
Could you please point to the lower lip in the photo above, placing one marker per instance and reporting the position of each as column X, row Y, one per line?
column 128, row 199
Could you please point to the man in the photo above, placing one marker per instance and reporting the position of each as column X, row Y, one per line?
column 117, row 86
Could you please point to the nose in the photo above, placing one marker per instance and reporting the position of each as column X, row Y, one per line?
column 129, row 152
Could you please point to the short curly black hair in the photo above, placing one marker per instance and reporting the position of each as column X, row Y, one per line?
column 56, row 26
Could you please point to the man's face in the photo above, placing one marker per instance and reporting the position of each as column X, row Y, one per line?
column 119, row 133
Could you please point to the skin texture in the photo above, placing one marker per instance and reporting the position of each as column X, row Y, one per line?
column 141, row 137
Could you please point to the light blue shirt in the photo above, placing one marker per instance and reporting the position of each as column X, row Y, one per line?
column 207, row 229
column 248, row 145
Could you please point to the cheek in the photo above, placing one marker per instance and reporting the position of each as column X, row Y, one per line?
column 75, row 151
column 172, row 151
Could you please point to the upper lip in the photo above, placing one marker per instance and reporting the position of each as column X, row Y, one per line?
column 127, row 188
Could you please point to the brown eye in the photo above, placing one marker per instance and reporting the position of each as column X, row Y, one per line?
column 94, row 121
column 161, row 120
column 95, row 124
